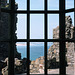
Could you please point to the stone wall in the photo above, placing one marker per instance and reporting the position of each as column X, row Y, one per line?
column 53, row 51
column 5, row 32
column 20, row 65
column 37, row 66
column 69, row 29
column 3, row 3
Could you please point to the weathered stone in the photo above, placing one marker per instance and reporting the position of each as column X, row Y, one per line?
column 37, row 61
column 31, row 66
column 19, row 66
column 31, row 71
column 18, row 62
column 42, row 57
column 5, row 32
column 53, row 51
column 42, row 61
column 41, row 66
column 2, row 65
column 32, row 62
column 36, row 65
column 5, row 71
column 6, row 61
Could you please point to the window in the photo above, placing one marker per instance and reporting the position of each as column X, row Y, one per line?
column 45, row 11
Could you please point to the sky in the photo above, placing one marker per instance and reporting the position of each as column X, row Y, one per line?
column 37, row 20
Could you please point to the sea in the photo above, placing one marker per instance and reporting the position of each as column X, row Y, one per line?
column 35, row 51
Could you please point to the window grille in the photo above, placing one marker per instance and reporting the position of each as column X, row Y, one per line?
column 61, row 39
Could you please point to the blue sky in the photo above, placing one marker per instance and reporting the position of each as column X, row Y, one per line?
column 37, row 20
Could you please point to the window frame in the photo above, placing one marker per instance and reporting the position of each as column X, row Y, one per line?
column 61, row 39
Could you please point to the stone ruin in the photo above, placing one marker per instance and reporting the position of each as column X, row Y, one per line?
column 4, row 46
column 53, row 52
column 37, row 66
column 54, row 49
column 69, row 29
column 5, row 32
column 20, row 65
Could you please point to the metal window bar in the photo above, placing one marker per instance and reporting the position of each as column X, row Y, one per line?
column 28, row 35
column 61, row 40
column 12, row 43
column 45, row 36
column 62, row 36
column 37, row 11
column 39, row 40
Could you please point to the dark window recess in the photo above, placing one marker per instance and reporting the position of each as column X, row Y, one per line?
column 11, row 10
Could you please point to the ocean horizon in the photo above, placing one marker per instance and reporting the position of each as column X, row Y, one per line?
column 35, row 51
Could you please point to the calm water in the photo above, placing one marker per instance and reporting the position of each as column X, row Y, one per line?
column 35, row 51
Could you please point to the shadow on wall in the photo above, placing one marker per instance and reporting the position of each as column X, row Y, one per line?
column 53, row 64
